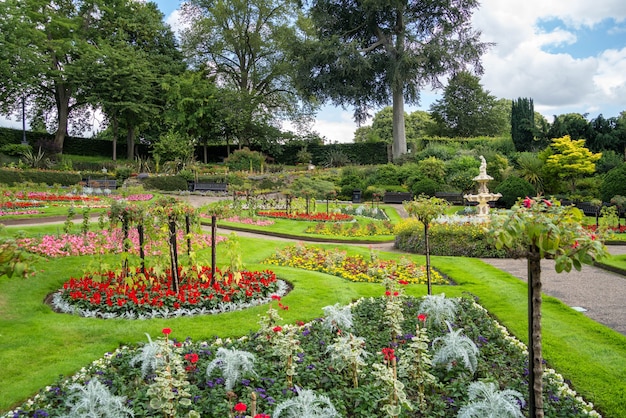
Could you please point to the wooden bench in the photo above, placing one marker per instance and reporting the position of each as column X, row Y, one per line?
column 210, row 187
column 110, row 184
column 397, row 197
column 587, row 208
column 454, row 198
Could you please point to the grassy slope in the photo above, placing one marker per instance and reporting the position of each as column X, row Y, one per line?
column 38, row 344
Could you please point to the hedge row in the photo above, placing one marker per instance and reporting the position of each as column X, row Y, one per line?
column 165, row 183
column 450, row 240
column 11, row 177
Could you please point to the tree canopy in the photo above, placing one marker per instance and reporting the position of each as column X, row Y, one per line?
column 366, row 54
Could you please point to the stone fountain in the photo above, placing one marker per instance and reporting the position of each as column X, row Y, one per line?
column 483, row 197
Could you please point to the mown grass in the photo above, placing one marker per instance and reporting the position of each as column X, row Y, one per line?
column 39, row 344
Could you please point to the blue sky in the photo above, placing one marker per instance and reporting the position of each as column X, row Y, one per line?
column 567, row 55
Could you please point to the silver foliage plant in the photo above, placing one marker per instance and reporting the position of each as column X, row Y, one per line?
column 150, row 356
column 438, row 309
column 233, row 364
column 306, row 405
column 454, row 346
column 337, row 317
column 486, row 401
column 94, row 400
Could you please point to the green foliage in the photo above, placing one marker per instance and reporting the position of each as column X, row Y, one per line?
column 95, row 400
column 165, row 183
column 571, row 159
column 512, row 189
column 432, row 168
column 449, row 240
column 608, row 161
column 523, row 124
column 245, row 160
column 174, row 147
column 614, row 183
column 425, row 186
column 13, row 260
column 335, row 158
column 466, row 110
column 486, row 401
column 531, row 169
column 337, row 317
column 15, row 150
column 12, row 177
column 150, row 356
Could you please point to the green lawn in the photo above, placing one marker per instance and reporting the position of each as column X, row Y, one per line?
column 39, row 344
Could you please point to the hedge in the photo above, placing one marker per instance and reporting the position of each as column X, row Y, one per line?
column 12, row 177
column 165, row 183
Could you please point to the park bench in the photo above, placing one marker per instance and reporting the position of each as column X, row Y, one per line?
column 210, row 187
column 454, row 198
column 397, row 197
column 587, row 208
column 110, row 184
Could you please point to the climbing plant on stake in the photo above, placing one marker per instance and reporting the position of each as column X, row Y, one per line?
column 544, row 229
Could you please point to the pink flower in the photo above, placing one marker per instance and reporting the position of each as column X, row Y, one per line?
column 527, row 202
column 547, row 202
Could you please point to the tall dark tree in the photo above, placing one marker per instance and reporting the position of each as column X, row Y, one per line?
column 376, row 53
column 523, row 124
column 573, row 124
column 602, row 134
column 466, row 110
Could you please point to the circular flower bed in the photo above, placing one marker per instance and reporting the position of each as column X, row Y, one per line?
column 149, row 295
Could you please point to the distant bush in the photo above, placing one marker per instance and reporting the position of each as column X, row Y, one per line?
column 512, row 188
column 425, row 186
column 468, row 240
column 614, row 183
column 12, row 177
column 165, row 183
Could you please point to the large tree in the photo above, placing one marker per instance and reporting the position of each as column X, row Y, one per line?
column 571, row 159
column 366, row 54
column 467, row 110
column 245, row 44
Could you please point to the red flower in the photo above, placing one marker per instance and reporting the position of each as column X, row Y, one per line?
column 240, row 407
column 387, row 293
column 547, row 202
column 396, row 293
column 191, row 357
column 275, row 297
column 261, row 416
column 575, row 245
column 167, row 331
column 403, row 282
column 421, row 317
column 277, row 329
column 527, row 202
column 388, row 353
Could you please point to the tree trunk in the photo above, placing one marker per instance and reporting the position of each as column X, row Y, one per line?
column 115, row 135
column 535, row 358
column 399, row 135
column 130, row 143
column 204, row 148
column 62, row 98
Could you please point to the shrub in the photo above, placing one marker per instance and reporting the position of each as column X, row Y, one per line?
column 425, row 186
column 614, row 183
column 15, row 150
column 245, row 160
column 513, row 188
column 165, row 183
column 12, row 177
column 468, row 240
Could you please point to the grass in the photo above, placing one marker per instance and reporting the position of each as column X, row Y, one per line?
column 38, row 344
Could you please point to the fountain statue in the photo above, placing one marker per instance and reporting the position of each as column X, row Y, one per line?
column 484, row 196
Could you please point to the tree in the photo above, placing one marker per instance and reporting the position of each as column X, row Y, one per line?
column 544, row 229
column 620, row 134
column 523, row 124
column 41, row 46
column 246, row 46
column 571, row 159
column 364, row 53
column 573, row 124
column 194, row 108
column 466, row 110
column 426, row 210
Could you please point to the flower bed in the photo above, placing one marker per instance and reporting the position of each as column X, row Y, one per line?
column 216, row 378
column 50, row 197
column 353, row 268
column 134, row 197
column 149, row 295
column 100, row 242
column 245, row 221
column 316, row 217
column 352, row 229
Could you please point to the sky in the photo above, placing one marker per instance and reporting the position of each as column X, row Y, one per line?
column 567, row 55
